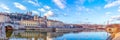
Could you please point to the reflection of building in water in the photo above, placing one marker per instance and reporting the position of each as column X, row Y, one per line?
column 36, row 35
column 55, row 34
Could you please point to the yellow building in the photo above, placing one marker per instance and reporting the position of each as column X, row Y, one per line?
column 54, row 23
column 113, row 28
column 41, row 21
column 29, row 23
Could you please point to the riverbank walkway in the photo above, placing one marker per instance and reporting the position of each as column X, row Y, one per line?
column 117, row 36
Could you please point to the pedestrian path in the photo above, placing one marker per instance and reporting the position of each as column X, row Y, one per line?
column 117, row 36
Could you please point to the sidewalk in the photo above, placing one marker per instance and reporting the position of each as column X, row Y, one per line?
column 117, row 36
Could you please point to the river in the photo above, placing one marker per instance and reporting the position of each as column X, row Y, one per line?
column 37, row 35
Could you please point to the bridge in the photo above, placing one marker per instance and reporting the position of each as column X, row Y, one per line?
column 9, row 22
column 6, row 26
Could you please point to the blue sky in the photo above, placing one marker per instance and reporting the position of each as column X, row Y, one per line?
column 68, row 11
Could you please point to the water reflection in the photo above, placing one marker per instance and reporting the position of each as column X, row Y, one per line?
column 109, row 38
column 32, row 35
column 37, row 35
column 8, row 33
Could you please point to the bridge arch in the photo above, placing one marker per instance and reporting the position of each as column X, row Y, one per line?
column 8, row 27
column 8, row 30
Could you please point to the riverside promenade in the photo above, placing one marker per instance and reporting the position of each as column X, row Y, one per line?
column 117, row 36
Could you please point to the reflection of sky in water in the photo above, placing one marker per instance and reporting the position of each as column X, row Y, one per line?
column 84, row 36
column 24, row 39
column 17, row 39
column 64, row 36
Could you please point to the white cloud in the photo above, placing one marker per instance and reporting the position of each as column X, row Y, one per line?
column 118, row 10
column 81, row 8
column 91, row 1
column 85, row 10
column 59, row 3
column 7, row 11
column 42, row 9
column 114, row 18
column 108, row 13
column 20, row 6
column 3, row 6
column 109, row 1
column 110, row 20
column 46, row 7
column 112, row 4
column 119, row 7
column 35, row 12
column 34, row 3
column 97, row 7
column 65, row 14
column 80, row 1
column 49, row 13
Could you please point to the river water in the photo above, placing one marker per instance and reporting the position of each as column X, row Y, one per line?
column 37, row 35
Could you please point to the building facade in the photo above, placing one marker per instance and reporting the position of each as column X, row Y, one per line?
column 54, row 23
column 4, row 18
column 29, row 23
